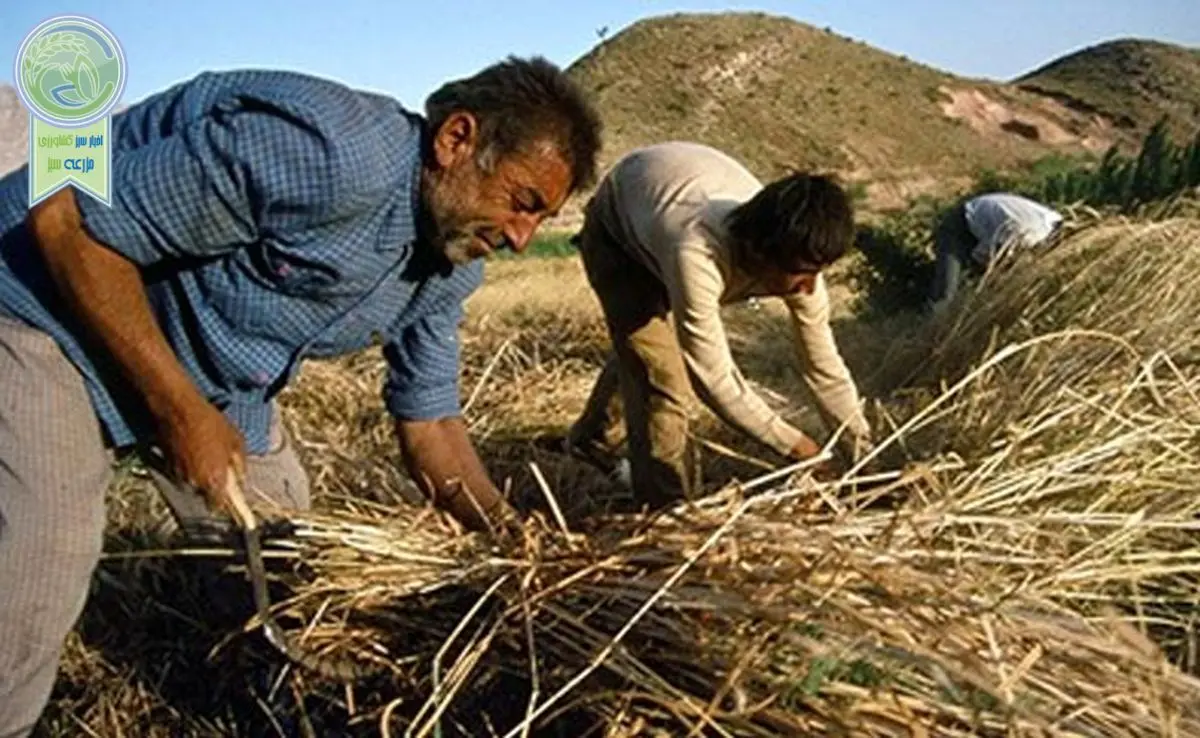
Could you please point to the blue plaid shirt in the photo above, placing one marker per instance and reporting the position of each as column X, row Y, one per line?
column 273, row 216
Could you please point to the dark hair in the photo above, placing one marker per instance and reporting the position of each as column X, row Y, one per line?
column 519, row 103
column 795, row 224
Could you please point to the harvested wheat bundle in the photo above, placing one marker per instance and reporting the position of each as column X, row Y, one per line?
column 1130, row 278
column 1010, row 592
column 1034, row 577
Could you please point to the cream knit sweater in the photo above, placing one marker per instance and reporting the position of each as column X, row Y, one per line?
column 666, row 203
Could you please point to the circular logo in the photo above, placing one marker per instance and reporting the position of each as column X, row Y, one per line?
column 70, row 71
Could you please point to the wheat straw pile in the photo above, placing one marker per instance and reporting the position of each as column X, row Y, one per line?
column 1019, row 557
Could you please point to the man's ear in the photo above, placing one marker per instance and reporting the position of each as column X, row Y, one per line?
column 455, row 140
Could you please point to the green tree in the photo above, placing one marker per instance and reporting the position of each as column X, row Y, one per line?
column 1153, row 171
column 1190, row 171
column 1108, row 181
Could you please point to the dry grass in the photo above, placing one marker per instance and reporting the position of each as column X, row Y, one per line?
column 1124, row 276
column 1020, row 559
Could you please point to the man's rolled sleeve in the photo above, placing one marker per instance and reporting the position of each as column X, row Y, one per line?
column 212, row 186
column 422, row 379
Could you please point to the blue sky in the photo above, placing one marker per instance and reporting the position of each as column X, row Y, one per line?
column 407, row 49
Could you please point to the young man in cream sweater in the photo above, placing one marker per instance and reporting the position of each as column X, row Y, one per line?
column 674, row 232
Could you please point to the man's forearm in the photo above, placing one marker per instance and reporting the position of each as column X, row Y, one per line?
column 106, row 292
column 733, row 401
column 442, row 461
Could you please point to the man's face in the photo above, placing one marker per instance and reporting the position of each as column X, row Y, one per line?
column 474, row 213
column 782, row 284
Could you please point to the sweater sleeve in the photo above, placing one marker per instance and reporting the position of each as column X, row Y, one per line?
column 695, row 285
column 823, row 369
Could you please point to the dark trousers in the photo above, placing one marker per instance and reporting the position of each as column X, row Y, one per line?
column 953, row 242
column 953, row 245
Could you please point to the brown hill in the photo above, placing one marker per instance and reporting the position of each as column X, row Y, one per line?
column 778, row 94
column 1132, row 82
column 14, row 130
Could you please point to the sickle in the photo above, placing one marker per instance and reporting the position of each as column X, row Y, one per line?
column 342, row 668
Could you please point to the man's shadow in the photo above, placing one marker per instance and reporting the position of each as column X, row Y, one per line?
column 170, row 627
column 162, row 648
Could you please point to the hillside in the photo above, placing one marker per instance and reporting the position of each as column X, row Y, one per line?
column 1131, row 82
column 778, row 93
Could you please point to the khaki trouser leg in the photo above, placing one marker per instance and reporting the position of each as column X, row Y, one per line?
column 54, row 470
column 655, row 390
column 648, row 365
column 601, row 425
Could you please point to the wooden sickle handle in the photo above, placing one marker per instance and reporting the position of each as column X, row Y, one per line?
column 239, row 508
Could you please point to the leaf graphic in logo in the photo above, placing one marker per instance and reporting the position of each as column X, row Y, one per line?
column 65, row 73
column 85, row 77
column 67, row 96
column 106, row 92
column 73, row 91
column 56, row 52
column 39, row 60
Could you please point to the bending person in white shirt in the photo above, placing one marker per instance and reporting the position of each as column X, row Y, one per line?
column 973, row 232
column 674, row 232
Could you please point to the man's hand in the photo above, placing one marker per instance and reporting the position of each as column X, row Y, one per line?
column 806, row 448
column 202, row 447
column 442, row 461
